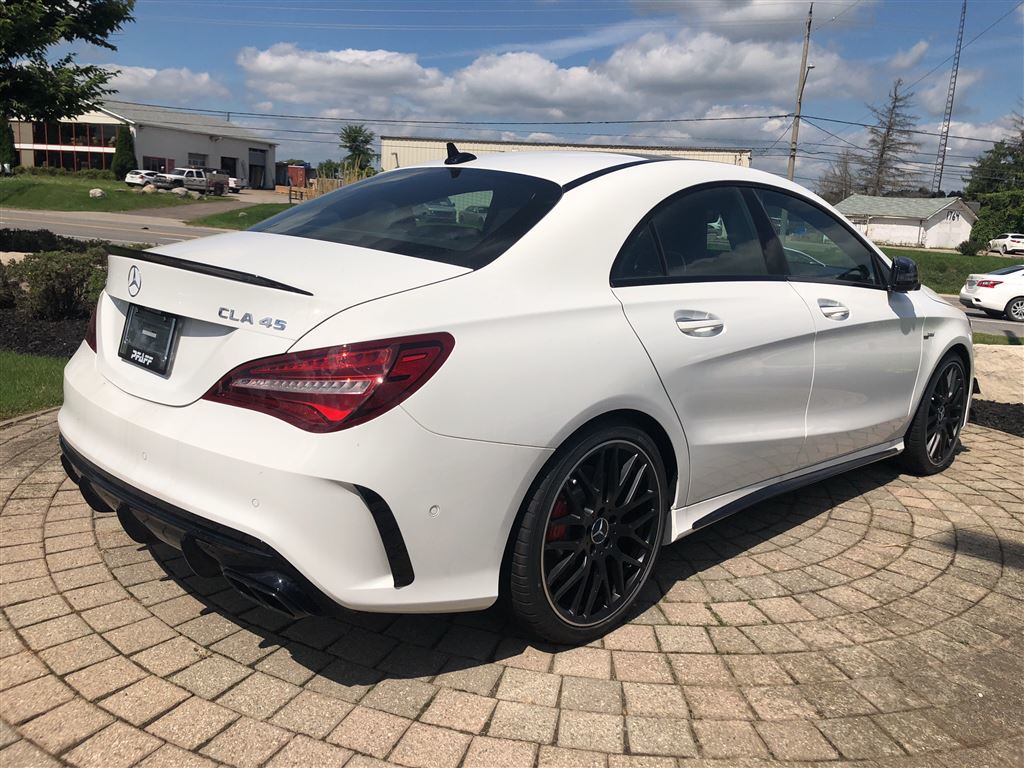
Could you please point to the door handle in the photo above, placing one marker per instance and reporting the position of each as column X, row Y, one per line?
column 833, row 310
column 698, row 324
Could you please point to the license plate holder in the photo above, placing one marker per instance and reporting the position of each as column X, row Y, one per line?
column 149, row 338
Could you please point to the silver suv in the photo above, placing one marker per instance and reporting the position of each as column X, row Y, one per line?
column 205, row 180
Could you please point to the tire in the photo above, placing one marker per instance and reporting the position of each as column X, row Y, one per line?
column 218, row 189
column 612, row 547
column 1002, row 249
column 995, row 314
column 1014, row 310
column 930, row 444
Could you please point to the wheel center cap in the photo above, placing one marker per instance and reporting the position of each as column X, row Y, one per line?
column 599, row 531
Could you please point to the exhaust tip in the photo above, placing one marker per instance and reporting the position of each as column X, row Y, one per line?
column 274, row 590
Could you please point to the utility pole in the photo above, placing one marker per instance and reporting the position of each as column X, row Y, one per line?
column 940, row 159
column 800, row 83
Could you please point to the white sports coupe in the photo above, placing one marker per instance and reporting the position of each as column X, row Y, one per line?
column 360, row 403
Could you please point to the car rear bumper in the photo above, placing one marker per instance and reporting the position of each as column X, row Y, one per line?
column 978, row 301
column 332, row 512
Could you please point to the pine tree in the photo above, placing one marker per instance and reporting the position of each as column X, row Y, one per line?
column 839, row 180
column 884, row 166
column 8, row 154
column 124, row 153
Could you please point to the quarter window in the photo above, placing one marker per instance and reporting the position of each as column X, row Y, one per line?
column 816, row 245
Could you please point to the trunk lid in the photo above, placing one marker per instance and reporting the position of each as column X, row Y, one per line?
column 239, row 297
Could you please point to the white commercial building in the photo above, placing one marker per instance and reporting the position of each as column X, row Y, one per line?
column 923, row 222
column 164, row 138
column 403, row 151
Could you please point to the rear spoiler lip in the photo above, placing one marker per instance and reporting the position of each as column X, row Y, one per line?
column 203, row 269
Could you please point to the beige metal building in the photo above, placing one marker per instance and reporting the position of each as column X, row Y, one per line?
column 402, row 151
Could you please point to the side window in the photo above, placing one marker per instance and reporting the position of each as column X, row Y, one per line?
column 815, row 244
column 709, row 234
column 639, row 257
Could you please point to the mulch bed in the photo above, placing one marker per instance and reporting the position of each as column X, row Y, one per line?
column 54, row 338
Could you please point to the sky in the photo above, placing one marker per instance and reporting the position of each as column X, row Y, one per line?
column 501, row 63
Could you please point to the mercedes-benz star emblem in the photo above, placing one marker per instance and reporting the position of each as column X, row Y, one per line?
column 599, row 531
column 134, row 281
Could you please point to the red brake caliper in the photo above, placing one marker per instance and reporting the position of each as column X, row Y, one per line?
column 561, row 509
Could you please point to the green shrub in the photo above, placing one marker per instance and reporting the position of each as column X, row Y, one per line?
column 1000, row 212
column 35, row 240
column 970, row 247
column 94, row 173
column 124, row 153
column 40, row 170
column 6, row 292
column 59, row 285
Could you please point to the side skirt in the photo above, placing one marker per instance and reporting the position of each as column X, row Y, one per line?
column 732, row 503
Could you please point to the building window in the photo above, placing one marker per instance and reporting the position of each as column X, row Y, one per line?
column 196, row 159
column 229, row 165
column 953, row 216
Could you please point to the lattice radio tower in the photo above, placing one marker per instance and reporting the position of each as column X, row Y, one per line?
column 940, row 159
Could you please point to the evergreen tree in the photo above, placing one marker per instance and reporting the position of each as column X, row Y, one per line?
column 124, row 153
column 8, row 154
column 1001, row 168
column 884, row 166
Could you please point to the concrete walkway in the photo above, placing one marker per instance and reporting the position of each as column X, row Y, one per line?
column 874, row 619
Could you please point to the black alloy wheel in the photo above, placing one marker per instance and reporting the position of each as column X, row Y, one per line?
column 590, row 536
column 934, row 435
column 945, row 413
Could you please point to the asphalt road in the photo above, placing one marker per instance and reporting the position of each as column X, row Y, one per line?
column 116, row 227
column 982, row 323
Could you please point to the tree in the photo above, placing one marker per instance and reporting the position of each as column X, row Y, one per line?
column 1000, row 212
column 31, row 85
column 839, row 180
column 293, row 161
column 1001, row 168
column 8, row 154
column 358, row 141
column 124, row 153
column 328, row 169
column 884, row 165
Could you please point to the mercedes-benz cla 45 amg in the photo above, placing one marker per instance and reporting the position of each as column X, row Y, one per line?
column 361, row 403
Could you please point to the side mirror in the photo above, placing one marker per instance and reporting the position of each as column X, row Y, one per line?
column 903, row 276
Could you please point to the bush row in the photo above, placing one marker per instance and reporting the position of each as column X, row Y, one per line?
column 84, row 173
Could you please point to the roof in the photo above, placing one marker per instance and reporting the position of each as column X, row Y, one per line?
column 916, row 208
column 563, row 167
column 193, row 122
column 629, row 148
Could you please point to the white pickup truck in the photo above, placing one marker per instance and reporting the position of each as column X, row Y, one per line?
column 205, row 180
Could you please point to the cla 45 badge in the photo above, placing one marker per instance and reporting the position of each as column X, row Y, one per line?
column 246, row 318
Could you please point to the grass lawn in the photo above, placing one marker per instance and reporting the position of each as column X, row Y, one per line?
column 946, row 272
column 995, row 338
column 29, row 383
column 243, row 219
column 68, row 193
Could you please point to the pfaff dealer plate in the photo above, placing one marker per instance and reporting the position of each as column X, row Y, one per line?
column 148, row 338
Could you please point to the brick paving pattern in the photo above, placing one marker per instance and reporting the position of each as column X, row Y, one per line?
column 875, row 619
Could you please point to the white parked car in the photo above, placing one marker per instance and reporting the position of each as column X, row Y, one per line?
column 1000, row 293
column 140, row 178
column 236, row 184
column 353, row 404
column 1008, row 242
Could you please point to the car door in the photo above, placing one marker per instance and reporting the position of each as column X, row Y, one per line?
column 868, row 341
column 730, row 339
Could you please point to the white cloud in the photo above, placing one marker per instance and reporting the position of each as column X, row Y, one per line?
column 165, row 86
column 263, row 106
column 933, row 98
column 910, row 57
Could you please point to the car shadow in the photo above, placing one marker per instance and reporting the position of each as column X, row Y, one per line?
column 355, row 650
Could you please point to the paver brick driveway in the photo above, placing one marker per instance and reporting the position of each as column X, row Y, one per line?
column 873, row 617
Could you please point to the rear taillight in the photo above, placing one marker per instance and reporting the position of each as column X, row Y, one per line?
column 324, row 390
column 989, row 283
column 90, row 334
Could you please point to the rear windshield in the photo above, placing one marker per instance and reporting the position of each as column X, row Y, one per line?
column 462, row 216
column 1007, row 270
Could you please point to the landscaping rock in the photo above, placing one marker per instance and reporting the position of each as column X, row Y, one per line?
column 179, row 191
column 96, row 192
column 149, row 189
column 162, row 191
column 194, row 195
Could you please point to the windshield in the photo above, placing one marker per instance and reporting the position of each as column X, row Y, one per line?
column 1007, row 270
column 462, row 216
